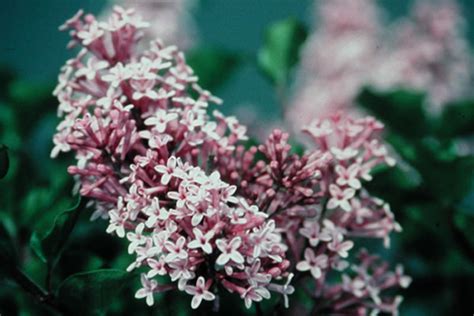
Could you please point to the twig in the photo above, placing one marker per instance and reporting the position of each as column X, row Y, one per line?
column 34, row 289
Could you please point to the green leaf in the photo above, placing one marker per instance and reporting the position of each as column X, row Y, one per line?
column 457, row 119
column 450, row 181
column 213, row 66
column 4, row 161
column 401, row 177
column 29, row 93
column 401, row 110
column 50, row 246
column 91, row 292
column 280, row 51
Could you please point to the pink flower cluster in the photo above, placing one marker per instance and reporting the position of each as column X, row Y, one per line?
column 171, row 20
column 351, row 48
column 195, row 202
column 429, row 53
column 337, row 59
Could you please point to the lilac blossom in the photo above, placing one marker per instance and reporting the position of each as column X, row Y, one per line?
column 196, row 204
column 170, row 21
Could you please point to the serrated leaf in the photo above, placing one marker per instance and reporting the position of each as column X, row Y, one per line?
column 92, row 292
column 401, row 110
column 4, row 161
column 213, row 66
column 50, row 246
column 280, row 51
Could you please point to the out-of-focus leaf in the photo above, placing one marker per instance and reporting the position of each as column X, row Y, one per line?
column 213, row 66
column 457, row 119
column 401, row 177
column 92, row 292
column 8, row 127
column 28, row 93
column 49, row 247
column 401, row 110
column 8, row 255
column 37, row 203
column 280, row 51
column 465, row 222
column 4, row 161
column 448, row 180
column 6, row 76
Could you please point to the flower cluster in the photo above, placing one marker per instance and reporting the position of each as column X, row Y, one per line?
column 429, row 53
column 194, row 201
column 317, row 199
column 364, row 283
column 132, row 120
column 172, row 20
column 350, row 48
column 197, row 229
column 336, row 59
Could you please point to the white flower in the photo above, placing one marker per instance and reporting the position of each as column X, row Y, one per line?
column 285, row 289
column 229, row 251
column 176, row 250
column 91, row 34
column 311, row 231
column 149, row 287
column 201, row 240
column 313, row 263
column 200, row 292
column 255, row 293
column 137, row 238
column 167, row 171
column 344, row 154
column 117, row 74
column 117, row 221
column 92, row 67
column 341, row 248
column 348, row 176
column 340, row 198
column 160, row 120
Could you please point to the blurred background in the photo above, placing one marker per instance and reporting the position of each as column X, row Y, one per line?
column 407, row 65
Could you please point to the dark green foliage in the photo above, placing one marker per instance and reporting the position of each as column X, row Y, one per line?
column 49, row 246
column 457, row 119
column 403, row 111
column 212, row 66
column 432, row 193
column 92, row 292
column 4, row 161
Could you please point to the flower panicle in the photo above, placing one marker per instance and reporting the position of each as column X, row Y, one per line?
column 195, row 203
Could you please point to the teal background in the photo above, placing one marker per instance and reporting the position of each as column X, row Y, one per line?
column 32, row 45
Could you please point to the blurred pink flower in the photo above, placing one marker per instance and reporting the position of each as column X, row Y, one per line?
column 171, row 21
column 351, row 48
column 429, row 53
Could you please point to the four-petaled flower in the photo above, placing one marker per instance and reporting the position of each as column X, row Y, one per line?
column 201, row 240
column 168, row 170
column 160, row 120
column 255, row 293
column 348, row 176
column 340, row 198
column 149, row 286
column 313, row 263
column 199, row 292
column 229, row 251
